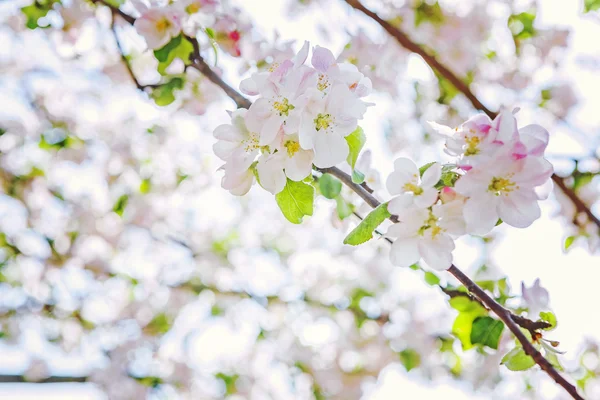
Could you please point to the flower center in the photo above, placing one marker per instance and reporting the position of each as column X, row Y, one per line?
column 273, row 67
column 353, row 60
column 472, row 145
column 292, row 147
column 411, row 187
column 283, row 106
column 502, row 185
column 323, row 121
column 251, row 143
column 323, row 82
column 163, row 24
column 430, row 227
column 193, row 8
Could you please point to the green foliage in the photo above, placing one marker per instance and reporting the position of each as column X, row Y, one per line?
column 364, row 231
column 329, row 186
column 486, row 331
column 591, row 5
column 149, row 381
column 296, row 200
column 159, row 325
column 38, row 9
column 517, row 360
column 431, row 278
column 163, row 94
column 355, row 298
column 343, row 208
column 569, row 242
column 426, row 12
column 356, row 141
column 425, row 167
column 229, row 381
column 521, row 25
column 120, row 205
column 468, row 311
column 410, row 359
column 178, row 47
column 549, row 318
column 448, row 178
column 145, row 186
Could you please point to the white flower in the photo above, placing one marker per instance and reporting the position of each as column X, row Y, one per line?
column 405, row 181
column 158, row 26
column 420, row 236
column 332, row 73
column 237, row 182
column 536, row 298
column 451, row 212
column 364, row 165
column 236, row 144
column 326, row 122
column 503, row 188
column 290, row 161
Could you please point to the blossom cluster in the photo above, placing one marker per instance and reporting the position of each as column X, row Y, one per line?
column 301, row 117
column 494, row 179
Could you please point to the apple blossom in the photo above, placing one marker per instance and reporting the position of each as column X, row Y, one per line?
column 535, row 298
column 236, row 144
column 405, row 181
column 159, row 25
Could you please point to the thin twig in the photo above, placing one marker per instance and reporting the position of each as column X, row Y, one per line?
column 504, row 314
column 121, row 52
column 459, row 84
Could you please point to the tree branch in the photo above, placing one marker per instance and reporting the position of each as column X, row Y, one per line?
column 461, row 86
column 504, row 314
column 121, row 52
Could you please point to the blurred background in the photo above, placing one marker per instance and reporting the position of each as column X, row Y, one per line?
column 126, row 272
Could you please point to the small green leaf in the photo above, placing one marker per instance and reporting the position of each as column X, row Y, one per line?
column 344, row 210
column 356, row 141
column 329, row 186
column 569, row 242
column 425, row 168
column 159, row 325
column 517, row 360
column 229, row 381
column 38, row 9
column 549, row 318
column 591, row 5
column 163, row 94
column 486, row 331
column 145, row 186
column 296, row 200
column 120, row 205
column 410, row 359
column 431, row 278
column 358, row 177
column 364, row 231
column 178, row 47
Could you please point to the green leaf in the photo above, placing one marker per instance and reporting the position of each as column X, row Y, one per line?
column 549, row 318
column 120, row 205
column 344, row 210
column 425, row 168
column 364, row 231
column 486, row 331
column 517, row 360
column 356, row 141
column 230, row 381
column 591, row 5
column 163, row 94
column 431, row 278
column 463, row 324
column 159, row 325
column 521, row 25
column 329, row 186
column 296, row 200
column 37, row 10
column 410, row 359
column 569, row 242
column 145, row 186
column 426, row 11
column 178, row 47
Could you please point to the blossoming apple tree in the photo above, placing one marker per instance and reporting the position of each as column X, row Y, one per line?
column 136, row 237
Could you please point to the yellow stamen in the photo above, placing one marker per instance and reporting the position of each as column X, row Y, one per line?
column 501, row 186
column 283, row 106
column 323, row 121
column 292, row 147
column 411, row 187
column 163, row 24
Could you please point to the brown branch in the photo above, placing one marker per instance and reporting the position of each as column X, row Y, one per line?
column 504, row 314
column 121, row 52
column 461, row 86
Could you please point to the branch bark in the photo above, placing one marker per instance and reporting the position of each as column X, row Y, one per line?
column 404, row 41
column 366, row 194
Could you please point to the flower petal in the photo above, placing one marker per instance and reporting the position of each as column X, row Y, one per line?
column 431, row 176
column 519, row 209
column 427, row 198
column 481, row 214
column 437, row 252
column 405, row 252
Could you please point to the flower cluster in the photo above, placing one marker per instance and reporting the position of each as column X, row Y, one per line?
column 301, row 117
column 498, row 167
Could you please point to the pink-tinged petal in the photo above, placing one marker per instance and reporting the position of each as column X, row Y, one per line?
column 330, row 149
column 480, row 123
column 506, row 125
column 427, row 198
column 447, row 194
column 437, row 252
column 238, row 184
column 472, row 183
column 228, row 133
column 299, row 166
column 535, row 138
column 401, row 204
column 307, row 133
column 302, row 55
column 270, row 174
column 322, row 59
column 481, row 213
column 519, row 209
column 364, row 87
column 281, row 71
column 224, row 150
column 269, row 131
column 431, row 176
column 519, row 151
column 405, row 252
column 535, row 172
column 248, row 86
